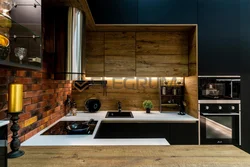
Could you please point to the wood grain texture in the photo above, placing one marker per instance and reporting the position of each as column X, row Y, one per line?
column 191, row 82
column 129, row 54
column 144, row 27
column 131, row 92
column 161, row 65
column 90, row 22
column 161, row 54
column 133, row 156
column 95, row 54
column 191, row 95
column 119, row 54
column 193, row 52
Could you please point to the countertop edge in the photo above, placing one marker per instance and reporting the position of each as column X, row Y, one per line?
column 4, row 122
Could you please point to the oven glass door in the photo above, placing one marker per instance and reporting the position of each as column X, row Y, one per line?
column 219, row 129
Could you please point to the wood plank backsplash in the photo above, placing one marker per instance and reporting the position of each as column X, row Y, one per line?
column 191, row 82
column 140, row 54
column 95, row 54
column 131, row 92
column 129, row 54
column 119, row 54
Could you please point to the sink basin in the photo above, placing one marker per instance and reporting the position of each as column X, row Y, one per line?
column 112, row 114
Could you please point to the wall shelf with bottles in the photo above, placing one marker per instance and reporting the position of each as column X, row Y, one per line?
column 22, row 27
column 171, row 92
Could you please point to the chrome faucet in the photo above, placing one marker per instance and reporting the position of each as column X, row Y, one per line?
column 119, row 106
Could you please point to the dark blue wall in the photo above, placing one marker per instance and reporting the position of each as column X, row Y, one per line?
column 144, row 11
column 114, row 11
column 167, row 11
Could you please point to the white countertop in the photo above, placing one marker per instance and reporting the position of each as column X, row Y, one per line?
column 88, row 140
column 4, row 122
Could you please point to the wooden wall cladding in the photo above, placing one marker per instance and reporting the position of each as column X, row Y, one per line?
column 128, row 54
column 161, row 54
column 95, row 54
column 192, row 57
column 191, row 95
column 131, row 92
column 119, row 54
column 191, row 82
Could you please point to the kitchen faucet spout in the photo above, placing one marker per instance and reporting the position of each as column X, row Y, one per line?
column 119, row 106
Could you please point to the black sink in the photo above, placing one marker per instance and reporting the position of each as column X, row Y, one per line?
column 113, row 114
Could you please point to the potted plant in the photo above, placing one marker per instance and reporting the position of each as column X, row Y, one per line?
column 147, row 104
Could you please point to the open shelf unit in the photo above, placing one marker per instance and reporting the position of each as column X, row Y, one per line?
column 171, row 94
column 22, row 27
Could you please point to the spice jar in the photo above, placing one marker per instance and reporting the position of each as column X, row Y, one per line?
column 73, row 110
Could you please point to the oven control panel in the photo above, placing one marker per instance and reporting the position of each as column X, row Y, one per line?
column 219, row 108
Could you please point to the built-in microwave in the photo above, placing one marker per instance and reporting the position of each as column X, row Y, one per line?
column 219, row 87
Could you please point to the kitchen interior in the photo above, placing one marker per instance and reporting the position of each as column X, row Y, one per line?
column 73, row 84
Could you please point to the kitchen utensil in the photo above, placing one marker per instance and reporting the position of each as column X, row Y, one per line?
column 20, row 53
column 78, row 128
column 93, row 105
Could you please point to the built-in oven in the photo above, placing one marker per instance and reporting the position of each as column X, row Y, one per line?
column 220, row 122
column 219, row 87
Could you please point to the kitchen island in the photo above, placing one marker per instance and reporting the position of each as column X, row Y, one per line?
column 133, row 156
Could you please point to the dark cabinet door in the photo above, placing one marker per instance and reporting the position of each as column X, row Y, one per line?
column 133, row 130
column 245, row 73
column 3, row 146
column 183, row 133
column 219, row 37
column 114, row 11
column 167, row 11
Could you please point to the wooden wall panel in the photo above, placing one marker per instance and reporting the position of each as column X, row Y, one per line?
column 95, row 54
column 192, row 57
column 119, row 54
column 129, row 54
column 191, row 95
column 131, row 92
column 161, row 43
column 141, row 54
column 191, row 82
column 161, row 65
column 161, row 54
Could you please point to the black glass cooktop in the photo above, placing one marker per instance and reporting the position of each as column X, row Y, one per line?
column 72, row 128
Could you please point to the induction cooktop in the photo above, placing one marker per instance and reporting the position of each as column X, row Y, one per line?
column 61, row 128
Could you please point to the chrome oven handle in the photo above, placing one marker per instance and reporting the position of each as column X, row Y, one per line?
column 215, row 114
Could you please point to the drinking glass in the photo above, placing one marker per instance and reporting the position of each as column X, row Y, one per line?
column 20, row 53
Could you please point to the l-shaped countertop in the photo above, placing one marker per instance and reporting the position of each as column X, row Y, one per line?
column 89, row 140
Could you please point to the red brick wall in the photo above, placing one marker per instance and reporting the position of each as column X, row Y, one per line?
column 43, row 99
